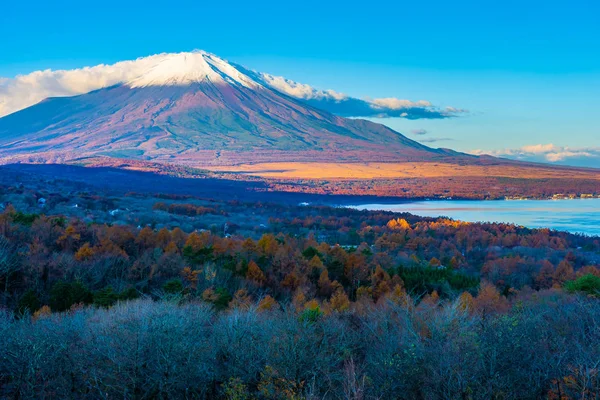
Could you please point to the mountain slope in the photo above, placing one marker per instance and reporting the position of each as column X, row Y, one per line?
column 195, row 108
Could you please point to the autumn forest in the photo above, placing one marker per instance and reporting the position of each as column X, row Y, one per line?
column 154, row 296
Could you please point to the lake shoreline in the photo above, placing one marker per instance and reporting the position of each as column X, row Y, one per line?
column 579, row 217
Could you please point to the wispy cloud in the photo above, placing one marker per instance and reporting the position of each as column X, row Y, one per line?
column 435, row 139
column 423, row 132
column 586, row 156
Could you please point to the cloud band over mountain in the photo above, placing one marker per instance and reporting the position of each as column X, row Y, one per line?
column 346, row 106
column 25, row 90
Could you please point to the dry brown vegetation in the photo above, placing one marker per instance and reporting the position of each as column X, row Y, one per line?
column 422, row 179
column 404, row 170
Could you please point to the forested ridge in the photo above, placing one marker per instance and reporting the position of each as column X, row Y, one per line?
column 318, row 302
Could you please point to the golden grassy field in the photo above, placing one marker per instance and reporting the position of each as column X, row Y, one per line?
column 303, row 170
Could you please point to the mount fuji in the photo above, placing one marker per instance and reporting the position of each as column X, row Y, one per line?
column 198, row 109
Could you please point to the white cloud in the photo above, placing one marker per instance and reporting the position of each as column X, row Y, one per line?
column 398, row 104
column 26, row 90
column 418, row 132
column 300, row 90
column 588, row 156
column 562, row 155
column 539, row 148
column 454, row 110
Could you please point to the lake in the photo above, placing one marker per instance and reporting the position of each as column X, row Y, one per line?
column 576, row 216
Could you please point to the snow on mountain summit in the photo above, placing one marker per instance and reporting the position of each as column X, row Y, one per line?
column 179, row 69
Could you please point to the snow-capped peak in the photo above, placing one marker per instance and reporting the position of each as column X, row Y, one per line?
column 186, row 68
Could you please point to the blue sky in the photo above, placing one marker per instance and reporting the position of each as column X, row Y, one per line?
column 527, row 71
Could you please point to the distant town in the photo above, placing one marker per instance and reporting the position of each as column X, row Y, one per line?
column 557, row 197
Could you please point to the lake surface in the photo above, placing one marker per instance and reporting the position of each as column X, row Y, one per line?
column 576, row 216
